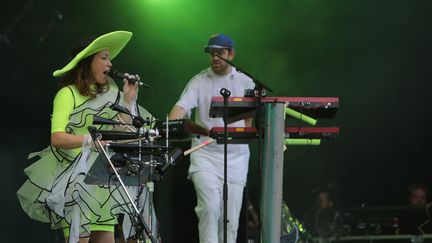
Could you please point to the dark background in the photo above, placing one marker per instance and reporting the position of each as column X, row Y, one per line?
column 373, row 55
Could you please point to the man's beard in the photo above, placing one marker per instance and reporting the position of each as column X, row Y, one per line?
column 220, row 68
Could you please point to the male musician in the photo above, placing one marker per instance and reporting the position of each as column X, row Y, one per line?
column 207, row 164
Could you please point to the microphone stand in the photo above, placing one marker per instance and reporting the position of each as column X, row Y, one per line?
column 260, row 87
column 225, row 94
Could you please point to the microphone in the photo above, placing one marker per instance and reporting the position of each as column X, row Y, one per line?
column 119, row 76
column 256, row 81
column 225, row 93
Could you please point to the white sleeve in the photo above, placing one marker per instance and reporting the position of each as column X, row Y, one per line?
column 250, row 84
column 189, row 98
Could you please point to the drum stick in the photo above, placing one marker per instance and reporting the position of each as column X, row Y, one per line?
column 195, row 148
column 130, row 140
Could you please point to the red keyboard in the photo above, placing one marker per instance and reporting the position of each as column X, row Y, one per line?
column 244, row 135
column 239, row 108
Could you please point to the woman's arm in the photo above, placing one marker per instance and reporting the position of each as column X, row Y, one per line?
column 63, row 106
column 65, row 140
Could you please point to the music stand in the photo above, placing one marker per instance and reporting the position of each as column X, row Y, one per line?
column 140, row 224
column 127, row 165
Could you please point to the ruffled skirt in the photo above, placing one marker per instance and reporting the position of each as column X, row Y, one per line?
column 55, row 193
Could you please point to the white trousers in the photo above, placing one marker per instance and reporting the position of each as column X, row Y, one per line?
column 209, row 209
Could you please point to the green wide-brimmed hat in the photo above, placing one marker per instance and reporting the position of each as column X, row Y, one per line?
column 114, row 41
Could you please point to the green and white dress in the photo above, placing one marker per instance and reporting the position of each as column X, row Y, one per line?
column 55, row 191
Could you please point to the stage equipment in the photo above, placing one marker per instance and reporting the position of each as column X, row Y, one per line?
column 270, row 115
column 133, row 158
column 242, row 135
column 180, row 129
column 401, row 223
column 245, row 107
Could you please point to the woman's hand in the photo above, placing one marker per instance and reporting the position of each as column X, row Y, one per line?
column 89, row 143
column 65, row 140
column 130, row 89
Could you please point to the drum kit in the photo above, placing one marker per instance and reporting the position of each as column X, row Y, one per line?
column 136, row 157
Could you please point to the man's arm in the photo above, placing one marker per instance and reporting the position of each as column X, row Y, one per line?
column 177, row 112
column 248, row 122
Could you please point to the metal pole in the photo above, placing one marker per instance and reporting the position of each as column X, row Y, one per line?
column 272, row 172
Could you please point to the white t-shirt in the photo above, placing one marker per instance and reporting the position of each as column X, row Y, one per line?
column 198, row 94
